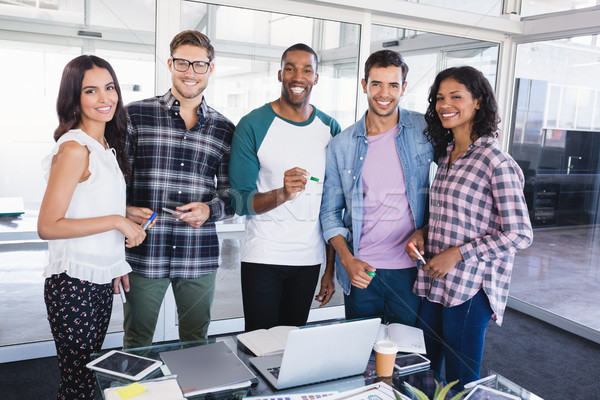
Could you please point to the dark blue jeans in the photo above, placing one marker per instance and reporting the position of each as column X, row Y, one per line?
column 456, row 335
column 389, row 296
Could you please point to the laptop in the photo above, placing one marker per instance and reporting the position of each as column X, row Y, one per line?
column 320, row 353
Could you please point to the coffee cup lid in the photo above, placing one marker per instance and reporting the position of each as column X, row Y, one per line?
column 385, row 347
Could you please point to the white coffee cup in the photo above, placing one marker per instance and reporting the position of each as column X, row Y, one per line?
column 385, row 357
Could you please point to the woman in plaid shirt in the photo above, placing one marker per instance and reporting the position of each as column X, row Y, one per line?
column 478, row 220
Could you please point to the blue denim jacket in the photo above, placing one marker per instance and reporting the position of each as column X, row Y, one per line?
column 342, row 203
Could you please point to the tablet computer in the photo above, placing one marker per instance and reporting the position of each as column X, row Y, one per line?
column 411, row 363
column 125, row 365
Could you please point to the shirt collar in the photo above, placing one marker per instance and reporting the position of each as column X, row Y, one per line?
column 171, row 103
column 403, row 121
column 483, row 141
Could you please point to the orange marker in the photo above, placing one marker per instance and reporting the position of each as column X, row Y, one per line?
column 412, row 246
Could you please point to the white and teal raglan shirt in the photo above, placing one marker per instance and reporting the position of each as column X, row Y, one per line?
column 264, row 146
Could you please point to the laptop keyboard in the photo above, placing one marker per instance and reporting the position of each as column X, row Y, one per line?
column 274, row 371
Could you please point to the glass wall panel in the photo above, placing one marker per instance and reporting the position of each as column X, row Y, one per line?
column 24, row 316
column 26, row 131
column 27, row 139
column 536, row 7
column 130, row 15
column 488, row 7
column 247, row 60
column 426, row 54
column 37, row 58
column 557, row 144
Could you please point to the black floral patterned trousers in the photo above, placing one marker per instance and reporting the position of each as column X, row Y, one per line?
column 79, row 314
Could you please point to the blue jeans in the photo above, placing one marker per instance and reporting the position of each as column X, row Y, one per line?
column 456, row 334
column 389, row 296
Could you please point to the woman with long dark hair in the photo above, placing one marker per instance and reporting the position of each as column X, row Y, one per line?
column 478, row 220
column 83, row 218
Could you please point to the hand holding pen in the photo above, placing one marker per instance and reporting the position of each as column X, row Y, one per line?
column 414, row 249
column 294, row 182
column 149, row 221
column 131, row 225
column 360, row 273
column 306, row 178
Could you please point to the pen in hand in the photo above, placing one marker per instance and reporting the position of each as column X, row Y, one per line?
column 147, row 223
column 412, row 246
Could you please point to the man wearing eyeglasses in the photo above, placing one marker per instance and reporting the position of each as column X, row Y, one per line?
column 179, row 150
column 277, row 169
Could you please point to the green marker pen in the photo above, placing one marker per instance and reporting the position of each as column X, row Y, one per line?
column 312, row 178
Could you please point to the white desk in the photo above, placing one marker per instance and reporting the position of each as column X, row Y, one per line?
column 23, row 227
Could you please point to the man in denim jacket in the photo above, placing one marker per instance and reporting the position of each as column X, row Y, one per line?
column 375, row 196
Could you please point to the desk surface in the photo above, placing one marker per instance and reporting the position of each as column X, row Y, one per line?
column 424, row 380
column 24, row 228
column 18, row 227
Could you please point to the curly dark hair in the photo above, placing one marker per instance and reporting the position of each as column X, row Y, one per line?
column 485, row 122
column 68, row 106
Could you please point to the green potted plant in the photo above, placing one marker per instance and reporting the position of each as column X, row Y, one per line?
column 440, row 391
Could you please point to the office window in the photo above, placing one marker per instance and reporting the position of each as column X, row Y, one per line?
column 248, row 57
column 557, row 144
column 537, row 7
column 426, row 54
column 29, row 139
column 493, row 7
column 34, row 49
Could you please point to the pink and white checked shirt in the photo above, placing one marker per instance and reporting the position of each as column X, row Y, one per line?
column 478, row 205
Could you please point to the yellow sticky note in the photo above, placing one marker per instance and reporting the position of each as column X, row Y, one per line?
column 127, row 392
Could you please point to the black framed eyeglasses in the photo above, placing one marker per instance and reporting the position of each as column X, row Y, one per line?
column 182, row 65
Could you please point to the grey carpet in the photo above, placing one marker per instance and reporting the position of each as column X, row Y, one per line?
column 548, row 361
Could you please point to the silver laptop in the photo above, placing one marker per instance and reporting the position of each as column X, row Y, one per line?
column 320, row 353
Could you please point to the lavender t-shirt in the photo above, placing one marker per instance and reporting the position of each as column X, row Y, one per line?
column 387, row 220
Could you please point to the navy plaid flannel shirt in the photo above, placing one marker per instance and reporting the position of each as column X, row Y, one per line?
column 172, row 166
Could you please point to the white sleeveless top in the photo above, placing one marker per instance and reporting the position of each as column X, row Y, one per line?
column 101, row 257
